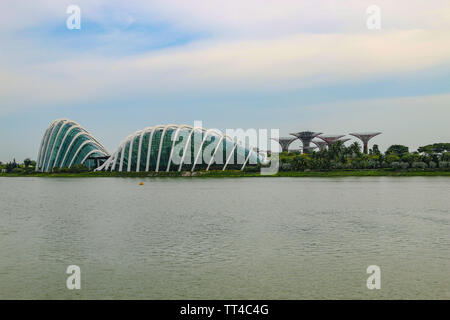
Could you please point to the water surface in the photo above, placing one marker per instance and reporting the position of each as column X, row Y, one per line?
column 237, row 238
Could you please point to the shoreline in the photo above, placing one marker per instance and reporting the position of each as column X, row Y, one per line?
column 240, row 174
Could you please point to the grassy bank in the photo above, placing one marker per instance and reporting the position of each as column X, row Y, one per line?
column 236, row 173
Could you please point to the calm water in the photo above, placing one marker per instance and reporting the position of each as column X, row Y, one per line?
column 260, row 238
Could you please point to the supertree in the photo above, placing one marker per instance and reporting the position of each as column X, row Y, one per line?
column 365, row 137
column 306, row 137
column 284, row 142
column 322, row 145
column 330, row 139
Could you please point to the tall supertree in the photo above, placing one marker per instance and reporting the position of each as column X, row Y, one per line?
column 306, row 137
column 365, row 137
column 284, row 142
column 322, row 145
column 330, row 139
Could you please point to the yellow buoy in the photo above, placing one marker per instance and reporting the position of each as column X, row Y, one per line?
column 141, row 183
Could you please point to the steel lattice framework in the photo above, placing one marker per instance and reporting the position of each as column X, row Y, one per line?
column 65, row 143
column 330, row 139
column 344, row 140
column 365, row 137
column 284, row 142
column 305, row 137
column 322, row 145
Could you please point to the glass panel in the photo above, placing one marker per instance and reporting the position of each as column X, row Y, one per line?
column 144, row 150
column 154, row 149
column 135, row 153
column 165, row 149
column 219, row 160
column 57, row 144
column 50, row 144
column 125, row 157
column 73, row 149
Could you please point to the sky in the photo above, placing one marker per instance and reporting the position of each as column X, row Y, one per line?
column 263, row 64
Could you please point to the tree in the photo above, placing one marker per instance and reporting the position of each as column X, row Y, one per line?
column 27, row 162
column 446, row 156
column 375, row 150
column 397, row 149
column 407, row 157
column 337, row 151
column 301, row 162
column 436, row 147
column 354, row 149
column 10, row 166
column 390, row 158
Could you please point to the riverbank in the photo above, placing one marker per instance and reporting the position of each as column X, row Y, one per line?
column 237, row 174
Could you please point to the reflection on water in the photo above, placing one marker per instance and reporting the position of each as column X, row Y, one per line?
column 246, row 238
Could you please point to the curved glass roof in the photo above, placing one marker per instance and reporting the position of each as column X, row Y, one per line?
column 174, row 147
column 65, row 143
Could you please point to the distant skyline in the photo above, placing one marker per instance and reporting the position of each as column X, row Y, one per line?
column 292, row 65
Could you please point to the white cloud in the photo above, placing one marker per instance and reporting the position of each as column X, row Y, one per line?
column 254, row 46
column 288, row 63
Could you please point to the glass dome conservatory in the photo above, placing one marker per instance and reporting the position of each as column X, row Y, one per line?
column 179, row 148
column 65, row 144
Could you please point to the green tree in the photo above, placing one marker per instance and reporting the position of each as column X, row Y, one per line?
column 337, row 151
column 436, row 147
column 397, row 149
column 446, row 156
column 407, row 157
column 354, row 149
column 301, row 162
column 390, row 158
column 10, row 166
column 375, row 150
column 27, row 162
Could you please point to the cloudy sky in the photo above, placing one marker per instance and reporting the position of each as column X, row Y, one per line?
column 293, row 65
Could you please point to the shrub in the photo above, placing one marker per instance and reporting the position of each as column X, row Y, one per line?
column 404, row 165
column 419, row 165
column 28, row 170
column 17, row 170
column 252, row 168
column 286, row 167
column 338, row 165
column 371, row 164
column 396, row 165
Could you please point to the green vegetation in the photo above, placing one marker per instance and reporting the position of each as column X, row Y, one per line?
column 238, row 173
column 338, row 161
column 340, row 157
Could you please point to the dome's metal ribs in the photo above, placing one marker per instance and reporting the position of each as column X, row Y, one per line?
column 55, row 144
column 152, row 146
